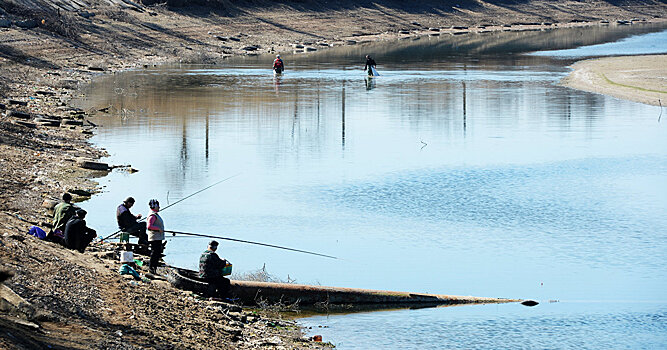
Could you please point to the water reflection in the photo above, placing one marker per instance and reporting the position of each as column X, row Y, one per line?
column 276, row 82
column 493, row 49
column 342, row 122
column 473, row 169
column 370, row 83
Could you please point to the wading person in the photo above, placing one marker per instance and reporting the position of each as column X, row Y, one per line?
column 77, row 234
column 370, row 64
column 155, row 235
column 210, row 269
column 127, row 222
column 61, row 215
column 278, row 65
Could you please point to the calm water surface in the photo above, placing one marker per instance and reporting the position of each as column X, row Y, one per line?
column 463, row 169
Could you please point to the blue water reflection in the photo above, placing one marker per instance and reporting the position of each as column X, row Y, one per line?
column 472, row 173
column 652, row 43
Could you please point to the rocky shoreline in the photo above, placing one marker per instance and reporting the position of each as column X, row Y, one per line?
column 62, row 299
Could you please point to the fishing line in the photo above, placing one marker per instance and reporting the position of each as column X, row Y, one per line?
column 178, row 201
column 251, row 242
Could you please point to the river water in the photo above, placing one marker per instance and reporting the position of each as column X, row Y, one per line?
column 463, row 169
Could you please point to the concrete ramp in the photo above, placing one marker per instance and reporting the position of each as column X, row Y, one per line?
column 249, row 292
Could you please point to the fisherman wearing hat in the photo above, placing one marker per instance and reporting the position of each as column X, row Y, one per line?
column 77, row 234
column 278, row 65
column 155, row 235
column 210, row 269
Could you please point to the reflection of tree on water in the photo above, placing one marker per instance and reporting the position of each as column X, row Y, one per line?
column 370, row 83
column 207, row 117
column 184, row 147
column 342, row 123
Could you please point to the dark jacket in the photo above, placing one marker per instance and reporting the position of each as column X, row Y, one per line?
column 369, row 63
column 77, row 234
column 210, row 265
column 124, row 217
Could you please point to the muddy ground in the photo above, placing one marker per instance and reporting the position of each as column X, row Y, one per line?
column 51, row 48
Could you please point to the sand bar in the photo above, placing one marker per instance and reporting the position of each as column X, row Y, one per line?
column 635, row 78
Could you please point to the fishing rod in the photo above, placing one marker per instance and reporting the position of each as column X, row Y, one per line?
column 250, row 242
column 178, row 201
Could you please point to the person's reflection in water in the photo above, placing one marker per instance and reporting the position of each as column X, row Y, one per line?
column 370, row 83
column 276, row 83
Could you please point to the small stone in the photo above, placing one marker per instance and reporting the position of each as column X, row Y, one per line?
column 79, row 192
column 17, row 102
column 86, row 14
column 231, row 330
column 27, row 24
column 49, row 203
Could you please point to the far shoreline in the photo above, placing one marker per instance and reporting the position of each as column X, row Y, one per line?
column 633, row 78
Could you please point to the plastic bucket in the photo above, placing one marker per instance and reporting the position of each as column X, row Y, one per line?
column 126, row 257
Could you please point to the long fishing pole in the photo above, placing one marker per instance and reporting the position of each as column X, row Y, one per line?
column 178, row 201
column 250, row 242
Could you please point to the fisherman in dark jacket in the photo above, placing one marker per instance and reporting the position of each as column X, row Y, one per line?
column 127, row 222
column 77, row 234
column 210, row 269
column 370, row 63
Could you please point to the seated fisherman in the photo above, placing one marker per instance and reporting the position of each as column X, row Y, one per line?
column 61, row 215
column 128, row 222
column 210, row 269
column 77, row 234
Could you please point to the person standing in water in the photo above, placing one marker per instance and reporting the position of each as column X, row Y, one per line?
column 155, row 235
column 370, row 64
column 278, row 65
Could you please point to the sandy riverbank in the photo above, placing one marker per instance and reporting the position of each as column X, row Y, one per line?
column 635, row 78
column 78, row 301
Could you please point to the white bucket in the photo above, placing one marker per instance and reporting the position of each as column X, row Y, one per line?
column 126, row 257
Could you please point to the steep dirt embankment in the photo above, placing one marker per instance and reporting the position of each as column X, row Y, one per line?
column 48, row 48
